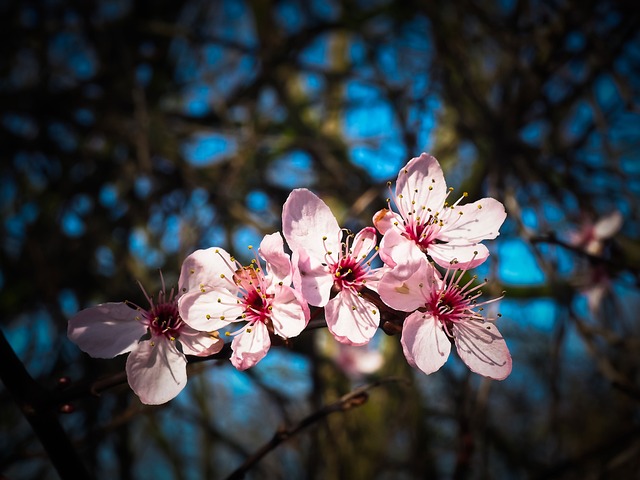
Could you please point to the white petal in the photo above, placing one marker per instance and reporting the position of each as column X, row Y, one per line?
column 351, row 319
column 409, row 294
column 481, row 346
column 608, row 226
column 289, row 312
column 278, row 263
column 106, row 330
column 479, row 221
column 463, row 257
column 206, row 269
column 315, row 279
column 209, row 311
column 156, row 371
column 364, row 241
column 199, row 343
column 306, row 220
column 250, row 346
column 385, row 219
column 424, row 343
column 420, row 184
column 400, row 253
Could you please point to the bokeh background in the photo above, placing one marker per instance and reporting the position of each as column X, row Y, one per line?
column 134, row 132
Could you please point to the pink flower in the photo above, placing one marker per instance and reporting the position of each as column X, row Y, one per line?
column 443, row 310
column 357, row 362
column 157, row 340
column 591, row 236
column 425, row 223
column 325, row 263
column 222, row 291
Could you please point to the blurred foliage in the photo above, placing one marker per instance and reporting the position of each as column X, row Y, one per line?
column 134, row 132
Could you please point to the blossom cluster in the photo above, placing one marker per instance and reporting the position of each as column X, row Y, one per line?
column 415, row 279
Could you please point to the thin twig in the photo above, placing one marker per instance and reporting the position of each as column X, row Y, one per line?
column 353, row 399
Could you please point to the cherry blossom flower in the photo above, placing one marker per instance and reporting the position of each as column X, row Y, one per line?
column 591, row 236
column 156, row 338
column 444, row 311
column 357, row 362
column 425, row 223
column 221, row 291
column 325, row 263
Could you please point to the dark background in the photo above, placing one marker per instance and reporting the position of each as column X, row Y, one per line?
column 132, row 133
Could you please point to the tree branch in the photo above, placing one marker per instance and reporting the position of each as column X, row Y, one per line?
column 33, row 401
column 353, row 399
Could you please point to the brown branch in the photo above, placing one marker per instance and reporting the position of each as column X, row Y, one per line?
column 353, row 399
column 33, row 402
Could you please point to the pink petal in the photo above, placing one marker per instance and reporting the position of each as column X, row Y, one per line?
column 278, row 263
column 351, row 319
column 384, row 220
column 409, row 294
column 306, row 220
column 250, row 346
column 463, row 256
column 106, row 330
column 199, row 343
column 206, row 269
column 374, row 275
column 595, row 295
column 481, row 346
column 608, row 226
column 420, row 183
column 289, row 312
column 156, row 371
column 479, row 221
column 209, row 311
column 424, row 343
column 364, row 241
column 315, row 279
column 400, row 253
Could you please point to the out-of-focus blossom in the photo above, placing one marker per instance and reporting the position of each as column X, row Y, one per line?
column 426, row 224
column 444, row 310
column 357, row 362
column 591, row 236
column 220, row 291
column 597, row 287
column 157, row 339
column 325, row 263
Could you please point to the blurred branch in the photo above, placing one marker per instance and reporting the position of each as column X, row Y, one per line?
column 353, row 399
column 32, row 400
